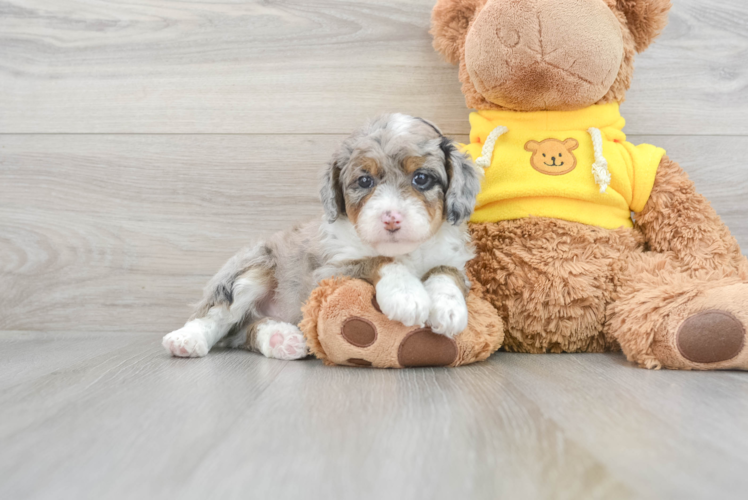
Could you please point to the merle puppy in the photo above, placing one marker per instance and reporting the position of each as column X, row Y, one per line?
column 397, row 195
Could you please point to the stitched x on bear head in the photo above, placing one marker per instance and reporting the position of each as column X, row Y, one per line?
column 552, row 156
column 532, row 55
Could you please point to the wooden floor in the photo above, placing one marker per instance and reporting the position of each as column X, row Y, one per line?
column 143, row 143
column 87, row 415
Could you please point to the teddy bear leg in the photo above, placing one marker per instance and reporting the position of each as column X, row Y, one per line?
column 666, row 317
column 344, row 325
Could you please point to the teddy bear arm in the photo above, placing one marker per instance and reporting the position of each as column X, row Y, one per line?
column 678, row 219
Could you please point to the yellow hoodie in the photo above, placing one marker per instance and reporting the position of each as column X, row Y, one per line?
column 545, row 164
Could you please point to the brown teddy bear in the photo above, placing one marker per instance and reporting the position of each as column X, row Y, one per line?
column 558, row 252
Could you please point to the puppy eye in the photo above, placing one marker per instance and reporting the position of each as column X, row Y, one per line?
column 423, row 181
column 365, row 181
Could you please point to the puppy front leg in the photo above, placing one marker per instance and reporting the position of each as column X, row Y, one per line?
column 401, row 295
column 447, row 288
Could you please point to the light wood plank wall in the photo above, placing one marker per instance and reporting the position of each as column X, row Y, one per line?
column 142, row 144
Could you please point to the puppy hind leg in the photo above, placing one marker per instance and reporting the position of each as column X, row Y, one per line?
column 232, row 302
column 276, row 339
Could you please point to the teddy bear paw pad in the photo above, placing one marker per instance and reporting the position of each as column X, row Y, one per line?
column 359, row 362
column 359, row 332
column 710, row 337
column 423, row 347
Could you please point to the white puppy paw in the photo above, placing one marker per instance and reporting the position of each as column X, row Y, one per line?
column 402, row 297
column 448, row 314
column 187, row 342
column 279, row 340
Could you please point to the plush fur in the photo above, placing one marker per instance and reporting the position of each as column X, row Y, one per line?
column 567, row 287
column 551, row 280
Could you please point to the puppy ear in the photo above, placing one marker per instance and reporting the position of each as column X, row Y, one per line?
column 450, row 20
column 464, row 183
column 331, row 192
column 532, row 146
column 571, row 144
column 645, row 19
column 430, row 124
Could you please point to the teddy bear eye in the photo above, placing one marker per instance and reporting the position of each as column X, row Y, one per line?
column 560, row 155
column 543, row 155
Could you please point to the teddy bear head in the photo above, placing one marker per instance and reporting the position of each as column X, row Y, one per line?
column 531, row 55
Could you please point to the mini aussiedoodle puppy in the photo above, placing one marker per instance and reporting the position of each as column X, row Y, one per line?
column 397, row 195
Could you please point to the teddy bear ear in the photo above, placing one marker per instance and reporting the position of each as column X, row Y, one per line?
column 645, row 19
column 571, row 144
column 450, row 21
column 532, row 146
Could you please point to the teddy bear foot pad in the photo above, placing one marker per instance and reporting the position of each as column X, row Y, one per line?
column 710, row 337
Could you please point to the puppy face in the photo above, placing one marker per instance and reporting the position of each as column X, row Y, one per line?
column 397, row 180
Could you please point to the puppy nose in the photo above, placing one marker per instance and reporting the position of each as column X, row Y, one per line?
column 392, row 220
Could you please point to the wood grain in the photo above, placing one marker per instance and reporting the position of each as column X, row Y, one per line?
column 91, row 225
column 134, row 423
column 123, row 231
column 648, row 418
column 52, row 351
column 321, row 66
